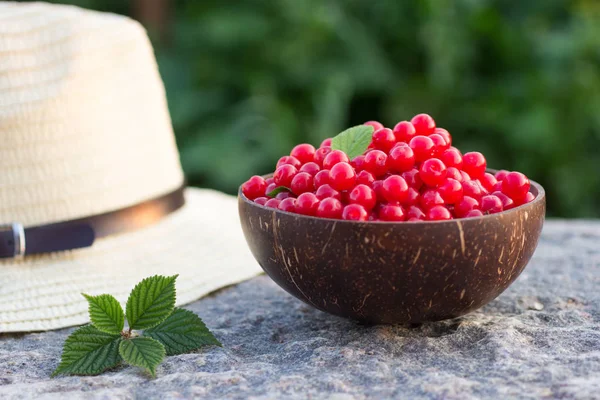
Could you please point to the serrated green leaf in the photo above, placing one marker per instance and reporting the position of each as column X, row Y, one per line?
column 151, row 302
column 106, row 313
column 142, row 352
column 278, row 190
column 182, row 332
column 89, row 351
column 353, row 141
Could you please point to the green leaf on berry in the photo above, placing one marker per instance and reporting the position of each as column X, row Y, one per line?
column 151, row 302
column 142, row 352
column 182, row 332
column 106, row 313
column 353, row 141
column 89, row 351
column 278, row 190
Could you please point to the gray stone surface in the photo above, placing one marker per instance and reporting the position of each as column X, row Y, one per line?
column 540, row 339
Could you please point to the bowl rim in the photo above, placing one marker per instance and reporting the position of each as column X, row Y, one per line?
column 540, row 197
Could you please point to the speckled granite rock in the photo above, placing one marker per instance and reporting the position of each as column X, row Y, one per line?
column 540, row 339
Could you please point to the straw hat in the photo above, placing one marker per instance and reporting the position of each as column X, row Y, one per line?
column 91, row 195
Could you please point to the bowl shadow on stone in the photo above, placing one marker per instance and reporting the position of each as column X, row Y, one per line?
column 394, row 273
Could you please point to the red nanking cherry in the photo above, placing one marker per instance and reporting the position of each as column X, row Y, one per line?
column 404, row 131
column 394, row 189
column 414, row 213
column 355, row 212
column 528, row 198
column 445, row 134
column 334, row 157
column 452, row 158
column 412, row 197
column 507, row 202
column 413, row 178
column 365, row 178
column 320, row 155
column 288, row 204
column 451, row 191
column 284, row 174
column 488, row 181
column 358, row 163
column 283, row 195
column 474, row 213
column 261, row 200
column 401, row 158
column 424, row 124
column 377, row 187
column 326, row 191
column 302, row 183
column 391, row 212
column 462, row 208
column 303, row 152
column 342, row 176
column 376, row 125
column 438, row 213
column 326, row 143
column 330, row 208
column 254, row 187
column 321, row 178
column 490, row 204
column 474, row 164
column 311, row 168
column 454, row 173
column 363, row 195
column 272, row 203
column 500, row 175
column 431, row 198
column 515, row 185
column 307, row 204
column 439, row 144
column 384, row 139
column 422, row 146
column 432, row 172
column 473, row 189
column 288, row 160
column 270, row 188
column 375, row 163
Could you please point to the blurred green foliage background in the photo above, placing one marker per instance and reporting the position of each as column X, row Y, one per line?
column 516, row 80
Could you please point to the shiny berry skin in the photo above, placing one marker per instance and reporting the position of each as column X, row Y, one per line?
column 424, row 124
column 474, row 213
column 413, row 178
column 439, row 144
column 515, row 185
column 283, row 195
column 465, row 176
column 528, row 198
column 303, row 152
column 507, row 202
column 438, row 213
column 384, row 139
column 451, row 191
column 412, row 197
column 377, row 187
column 355, row 212
column 284, row 174
column 391, row 212
column 445, row 134
column 358, row 163
column 394, row 189
column 326, row 191
column 342, row 176
column 365, row 178
column 490, row 204
column 261, row 200
column 336, row 156
column 363, row 195
column 432, row 172
column 326, row 143
column 422, row 146
column 307, row 204
column 288, row 160
column 500, row 175
column 375, row 163
column 269, row 180
column 254, row 187
column 401, row 158
column 330, row 208
column 270, row 188
column 415, row 213
column 272, row 203
column 311, row 168
column 430, row 198
column 404, row 131
column 454, row 173
column 288, row 205
column 474, row 164
column 452, row 158
column 488, row 181
column 321, row 178
column 462, row 208
column 320, row 155
column 302, row 183
column 473, row 189
column 375, row 124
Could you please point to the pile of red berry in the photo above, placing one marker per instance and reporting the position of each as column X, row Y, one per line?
column 409, row 173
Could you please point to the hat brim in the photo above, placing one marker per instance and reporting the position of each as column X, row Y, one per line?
column 202, row 242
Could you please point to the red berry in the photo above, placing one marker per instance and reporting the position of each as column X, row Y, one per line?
column 507, row 202
column 355, row 212
column 303, row 152
column 363, row 195
column 364, row 178
column 283, row 195
column 500, row 175
column 270, row 188
column 401, row 158
column 432, row 172
column 452, row 172
column 462, row 208
column 412, row 197
column 342, row 176
column 490, row 204
column 288, row 205
column 439, row 144
column 377, row 187
column 269, row 180
column 488, row 181
column 330, row 208
column 474, row 164
column 272, row 203
column 261, row 200
column 474, row 213
column 254, row 187
column 391, row 212
column 404, row 131
column 431, row 198
column 414, row 213
column 424, row 124
column 288, row 160
column 473, row 189
column 320, row 155
column 326, row 191
column 451, row 191
column 302, row 183
column 515, row 185
column 422, row 146
column 413, row 178
column 307, row 204
column 336, row 156
column 528, row 198
column 384, row 139
column 321, row 178
column 438, row 213
column 395, row 188
column 465, row 176
column 376, row 125
column 375, row 163
column 326, row 143
column 284, row 174
column 311, row 168
column 445, row 134
column 358, row 163
column 452, row 158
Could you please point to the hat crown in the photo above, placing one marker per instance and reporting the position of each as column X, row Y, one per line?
column 84, row 124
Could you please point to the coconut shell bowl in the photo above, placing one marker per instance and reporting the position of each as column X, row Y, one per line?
column 394, row 272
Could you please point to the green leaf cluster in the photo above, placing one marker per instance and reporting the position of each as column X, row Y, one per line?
column 104, row 344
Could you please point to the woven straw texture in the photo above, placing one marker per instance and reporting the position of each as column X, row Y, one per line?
column 85, row 129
